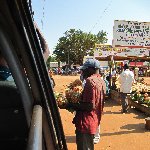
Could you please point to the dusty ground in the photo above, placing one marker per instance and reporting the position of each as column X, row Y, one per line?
column 118, row 131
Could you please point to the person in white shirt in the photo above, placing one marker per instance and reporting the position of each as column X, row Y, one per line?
column 126, row 79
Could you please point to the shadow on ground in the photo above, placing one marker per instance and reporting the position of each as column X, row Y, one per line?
column 70, row 139
column 131, row 128
column 134, row 127
column 111, row 112
column 110, row 103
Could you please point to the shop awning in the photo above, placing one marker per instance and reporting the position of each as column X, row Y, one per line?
column 121, row 58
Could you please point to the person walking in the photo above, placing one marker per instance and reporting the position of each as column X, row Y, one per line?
column 90, row 107
column 126, row 79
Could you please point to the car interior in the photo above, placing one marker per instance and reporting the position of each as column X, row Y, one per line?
column 29, row 116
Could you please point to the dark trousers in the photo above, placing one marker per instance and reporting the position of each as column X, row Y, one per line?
column 124, row 101
column 84, row 141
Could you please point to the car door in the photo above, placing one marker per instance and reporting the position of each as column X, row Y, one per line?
column 37, row 124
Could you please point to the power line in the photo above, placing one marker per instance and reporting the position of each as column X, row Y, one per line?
column 43, row 14
column 101, row 15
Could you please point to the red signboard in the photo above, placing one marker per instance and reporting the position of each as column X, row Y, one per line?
column 138, row 64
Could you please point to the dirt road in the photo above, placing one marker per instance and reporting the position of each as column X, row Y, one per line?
column 118, row 131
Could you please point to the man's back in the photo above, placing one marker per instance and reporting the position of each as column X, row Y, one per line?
column 93, row 92
column 126, row 79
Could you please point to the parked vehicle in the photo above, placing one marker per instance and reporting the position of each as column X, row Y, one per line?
column 29, row 116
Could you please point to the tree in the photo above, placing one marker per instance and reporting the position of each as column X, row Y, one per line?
column 50, row 59
column 75, row 44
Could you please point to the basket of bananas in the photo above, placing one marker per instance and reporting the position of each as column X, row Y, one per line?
column 71, row 94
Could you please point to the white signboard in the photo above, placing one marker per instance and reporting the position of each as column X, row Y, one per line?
column 127, row 52
column 133, row 52
column 107, row 50
column 131, row 34
column 54, row 64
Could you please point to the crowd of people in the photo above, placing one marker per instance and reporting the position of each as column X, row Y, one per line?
column 65, row 70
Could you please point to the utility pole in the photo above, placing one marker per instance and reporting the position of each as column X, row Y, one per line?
column 68, row 57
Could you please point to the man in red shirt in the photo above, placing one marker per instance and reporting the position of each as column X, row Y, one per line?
column 90, row 107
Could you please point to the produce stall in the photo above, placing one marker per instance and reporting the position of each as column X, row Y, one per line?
column 140, row 96
column 113, row 59
column 140, row 106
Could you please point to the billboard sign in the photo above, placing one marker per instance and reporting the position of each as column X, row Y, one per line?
column 107, row 50
column 131, row 34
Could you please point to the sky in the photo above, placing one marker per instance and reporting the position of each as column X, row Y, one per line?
column 55, row 17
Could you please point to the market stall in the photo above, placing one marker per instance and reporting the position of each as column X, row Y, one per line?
column 140, row 88
column 113, row 59
column 140, row 96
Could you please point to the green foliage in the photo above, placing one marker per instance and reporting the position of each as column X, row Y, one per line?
column 75, row 44
column 137, row 97
column 50, row 59
column 147, row 103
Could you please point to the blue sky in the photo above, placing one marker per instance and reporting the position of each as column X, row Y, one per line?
column 86, row 15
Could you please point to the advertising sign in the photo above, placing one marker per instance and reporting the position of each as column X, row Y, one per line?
column 107, row 50
column 131, row 34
